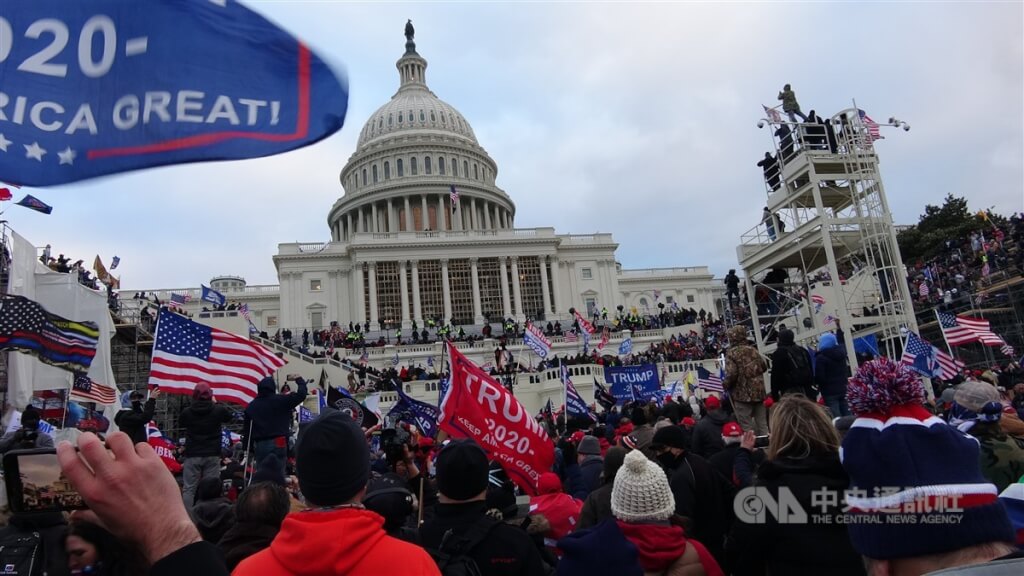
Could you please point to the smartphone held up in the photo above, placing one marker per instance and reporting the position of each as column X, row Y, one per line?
column 36, row 484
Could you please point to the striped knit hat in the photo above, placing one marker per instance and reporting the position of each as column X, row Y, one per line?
column 902, row 460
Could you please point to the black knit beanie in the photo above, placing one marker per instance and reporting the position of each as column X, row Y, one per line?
column 332, row 460
column 461, row 470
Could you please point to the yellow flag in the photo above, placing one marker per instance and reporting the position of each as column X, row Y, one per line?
column 103, row 275
column 983, row 215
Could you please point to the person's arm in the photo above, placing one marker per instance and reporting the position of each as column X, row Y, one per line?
column 296, row 398
column 135, row 498
column 730, row 373
column 149, row 409
column 743, row 465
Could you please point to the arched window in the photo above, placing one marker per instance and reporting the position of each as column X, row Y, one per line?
column 465, row 169
column 412, row 166
column 423, row 118
column 643, row 303
column 443, row 120
column 374, row 171
column 411, row 117
column 440, row 165
column 381, row 124
column 432, row 117
column 426, row 165
column 476, row 172
column 400, row 117
column 364, row 176
column 387, row 170
column 455, row 167
column 390, row 119
column 401, row 168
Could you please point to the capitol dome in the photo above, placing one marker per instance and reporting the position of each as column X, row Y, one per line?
column 418, row 167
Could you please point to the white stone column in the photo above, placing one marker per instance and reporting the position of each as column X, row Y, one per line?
column 417, row 311
column 373, row 293
column 545, row 295
column 348, row 226
column 478, row 316
column 506, row 307
column 404, row 294
column 360, row 294
column 408, row 216
column 473, row 225
column 487, row 216
column 424, row 214
column 517, row 290
column 373, row 227
column 446, row 291
column 556, row 273
column 392, row 221
column 442, row 213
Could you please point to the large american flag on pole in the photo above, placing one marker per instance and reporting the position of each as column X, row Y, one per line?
column 965, row 329
column 186, row 353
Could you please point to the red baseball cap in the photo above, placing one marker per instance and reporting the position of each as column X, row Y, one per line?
column 577, row 436
column 712, row 403
column 688, row 421
column 732, row 430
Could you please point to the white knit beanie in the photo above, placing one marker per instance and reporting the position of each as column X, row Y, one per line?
column 640, row 492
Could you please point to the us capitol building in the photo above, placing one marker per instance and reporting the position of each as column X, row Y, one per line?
column 403, row 248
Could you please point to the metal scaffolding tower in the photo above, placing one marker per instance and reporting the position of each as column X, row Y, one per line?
column 826, row 250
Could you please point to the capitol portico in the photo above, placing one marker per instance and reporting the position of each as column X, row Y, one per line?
column 422, row 231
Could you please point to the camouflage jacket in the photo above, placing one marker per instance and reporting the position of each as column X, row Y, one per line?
column 744, row 373
column 1002, row 459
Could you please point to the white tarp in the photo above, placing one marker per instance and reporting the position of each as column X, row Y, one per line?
column 60, row 294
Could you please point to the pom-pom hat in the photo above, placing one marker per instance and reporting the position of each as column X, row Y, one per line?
column 903, row 461
column 640, row 492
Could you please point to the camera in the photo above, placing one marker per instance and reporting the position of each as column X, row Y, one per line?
column 35, row 483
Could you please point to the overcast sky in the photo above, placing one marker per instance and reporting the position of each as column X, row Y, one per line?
column 635, row 119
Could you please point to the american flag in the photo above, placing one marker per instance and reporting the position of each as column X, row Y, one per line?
column 186, row 353
column 772, row 113
column 180, row 299
column 1006, row 349
column 965, row 329
column 244, row 311
column 928, row 360
column 454, row 197
column 923, row 290
column 85, row 390
column 871, row 126
column 709, row 381
column 364, row 357
column 571, row 336
column 817, row 299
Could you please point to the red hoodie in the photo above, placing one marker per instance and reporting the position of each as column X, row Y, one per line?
column 660, row 546
column 349, row 542
column 561, row 510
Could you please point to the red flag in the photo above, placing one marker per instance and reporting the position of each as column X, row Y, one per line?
column 478, row 407
column 5, row 194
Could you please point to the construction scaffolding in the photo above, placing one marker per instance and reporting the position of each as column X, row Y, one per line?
column 826, row 252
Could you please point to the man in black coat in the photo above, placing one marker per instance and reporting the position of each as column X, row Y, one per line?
column 460, row 518
column 268, row 419
column 707, row 434
column 702, row 495
column 791, row 368
column 591, row 464
column 134, row 416
column 202, row 422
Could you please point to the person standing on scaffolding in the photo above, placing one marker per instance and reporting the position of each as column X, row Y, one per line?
column 789, row 104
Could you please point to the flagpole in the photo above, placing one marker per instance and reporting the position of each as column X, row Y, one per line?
column 67, row 398
column 565, row 398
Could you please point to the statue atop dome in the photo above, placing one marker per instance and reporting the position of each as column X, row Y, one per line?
column 410, row 35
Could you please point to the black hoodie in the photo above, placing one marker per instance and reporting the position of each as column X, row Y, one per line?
column 202, row 422
column 270, row 414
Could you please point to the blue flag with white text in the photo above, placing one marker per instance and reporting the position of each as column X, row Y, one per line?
column 212, row 296
column 424, row 416
column 108, row 86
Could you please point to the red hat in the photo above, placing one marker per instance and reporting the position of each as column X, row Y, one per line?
column 202, row 391
column 769, row 402
column 732, row 430
column 712, row 403
column 577, row 436
column 549, row 483
column 689, row 421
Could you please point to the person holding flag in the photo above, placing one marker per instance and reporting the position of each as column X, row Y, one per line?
column 268, row 419
column 134, row 416
column 203, row 422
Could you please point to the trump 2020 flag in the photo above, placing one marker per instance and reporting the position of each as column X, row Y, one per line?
column 186, row 353
column 30, row 201
column 108, row 86
column 212, row 296
column 534, row 338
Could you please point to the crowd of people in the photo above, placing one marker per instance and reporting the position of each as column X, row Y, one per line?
column 657, row 487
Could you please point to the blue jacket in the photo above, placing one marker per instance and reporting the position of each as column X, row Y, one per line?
column 270, row 413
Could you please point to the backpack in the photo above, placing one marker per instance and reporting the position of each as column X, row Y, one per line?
column 21, row 555
column 452, row 557
column 803, row 374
